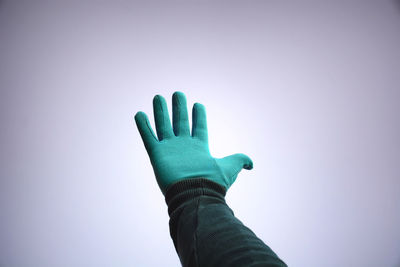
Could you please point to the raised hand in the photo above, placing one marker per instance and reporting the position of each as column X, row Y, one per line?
column 178, row 154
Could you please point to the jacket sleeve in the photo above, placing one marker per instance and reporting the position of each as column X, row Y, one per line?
column 205, row 231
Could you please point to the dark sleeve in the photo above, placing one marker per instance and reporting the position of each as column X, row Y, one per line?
column 206, row 232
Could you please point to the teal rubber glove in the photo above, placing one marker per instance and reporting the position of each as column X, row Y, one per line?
column 176, row 154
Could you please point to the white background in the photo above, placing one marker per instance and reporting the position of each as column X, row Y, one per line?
column 310, row 91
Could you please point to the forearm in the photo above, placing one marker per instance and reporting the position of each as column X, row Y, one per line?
column 205, row 231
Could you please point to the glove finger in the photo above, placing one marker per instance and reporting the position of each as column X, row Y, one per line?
column 199, row 127
column 161, row 117
column 180, row 118
column 147, row 134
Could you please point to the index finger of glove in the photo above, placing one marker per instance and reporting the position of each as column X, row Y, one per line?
column 199, row 122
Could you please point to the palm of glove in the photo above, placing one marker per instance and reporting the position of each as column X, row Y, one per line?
column 177, row 154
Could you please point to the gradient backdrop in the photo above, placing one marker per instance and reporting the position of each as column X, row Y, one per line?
column 309, row 90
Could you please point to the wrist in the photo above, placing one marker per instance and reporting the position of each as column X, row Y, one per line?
column 186, row 190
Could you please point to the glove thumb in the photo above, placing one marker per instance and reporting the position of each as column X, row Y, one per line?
column 233, row 164
column 237, row 161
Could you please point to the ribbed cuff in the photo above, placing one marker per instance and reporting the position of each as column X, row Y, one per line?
column 185, row 190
